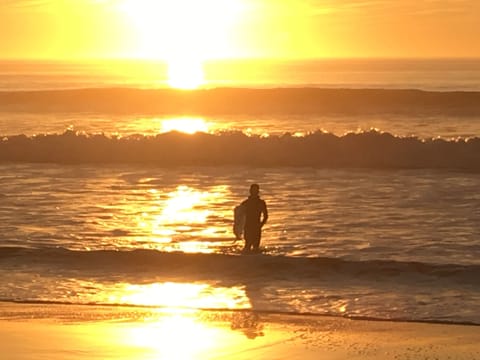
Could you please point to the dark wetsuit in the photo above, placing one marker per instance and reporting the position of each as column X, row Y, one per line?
column 254, row 208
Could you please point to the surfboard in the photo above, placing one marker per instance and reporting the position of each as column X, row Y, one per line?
column 238, row 221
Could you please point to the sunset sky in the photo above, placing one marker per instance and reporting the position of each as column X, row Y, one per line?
column 217, row 29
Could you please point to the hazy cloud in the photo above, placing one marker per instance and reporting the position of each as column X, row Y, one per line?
column 406, row 6
column 23, row 3
column 386, row 10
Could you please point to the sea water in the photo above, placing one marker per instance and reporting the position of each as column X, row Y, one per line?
column 374, row 208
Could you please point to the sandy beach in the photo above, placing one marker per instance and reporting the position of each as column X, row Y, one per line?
column 98, row 332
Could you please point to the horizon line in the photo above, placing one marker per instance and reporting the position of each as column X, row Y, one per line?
column 237, row 59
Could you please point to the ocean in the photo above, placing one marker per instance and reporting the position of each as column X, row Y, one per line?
column 116, row 190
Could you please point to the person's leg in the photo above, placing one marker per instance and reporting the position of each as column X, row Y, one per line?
column 256, row 236
column 248, row 244
column 251, row 238
column 248, row 240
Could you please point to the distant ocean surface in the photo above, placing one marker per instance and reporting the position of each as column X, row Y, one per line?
column 115, row 189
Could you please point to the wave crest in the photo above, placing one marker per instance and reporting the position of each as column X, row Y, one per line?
column 244, row 101
column 372, row 149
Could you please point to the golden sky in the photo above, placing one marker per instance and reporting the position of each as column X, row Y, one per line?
column 211, row 29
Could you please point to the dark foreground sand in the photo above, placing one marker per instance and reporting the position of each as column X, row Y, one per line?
column 97, row 332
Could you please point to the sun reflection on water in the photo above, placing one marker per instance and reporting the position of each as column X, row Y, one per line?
column 182, row 217
column 181, row 295
column 184, row 207
column 185, row 124
column 151, row 214
column 153, row 125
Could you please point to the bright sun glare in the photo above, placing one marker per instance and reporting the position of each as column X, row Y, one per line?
column 185, row 74
column 182, row 295
column 184, row 33
column 188, row 125
column 180, row 220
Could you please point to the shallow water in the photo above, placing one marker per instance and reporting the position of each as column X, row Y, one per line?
column 410, row 215
column 408, row 239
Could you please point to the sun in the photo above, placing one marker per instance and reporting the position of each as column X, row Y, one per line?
column 184, row 33
column 185, row 74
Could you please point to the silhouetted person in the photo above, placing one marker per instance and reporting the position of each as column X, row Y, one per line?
column 256, row 216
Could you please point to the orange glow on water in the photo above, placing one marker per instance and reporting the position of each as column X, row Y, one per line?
column 181, row 295
column 176, row 221
column 181, row 207
column 188, row 125
column 183, row 218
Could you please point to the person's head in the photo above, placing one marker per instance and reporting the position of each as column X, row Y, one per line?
column 254, row 189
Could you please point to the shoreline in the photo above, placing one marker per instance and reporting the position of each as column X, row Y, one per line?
column 40, row 331
column 159, row 308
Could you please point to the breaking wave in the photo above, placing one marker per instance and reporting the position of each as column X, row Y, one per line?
column 372, row 149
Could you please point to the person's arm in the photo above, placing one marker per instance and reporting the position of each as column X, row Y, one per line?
column 264, row 213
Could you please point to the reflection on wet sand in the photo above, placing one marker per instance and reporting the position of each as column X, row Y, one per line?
column 132, row 333
column 174, row 336
column 193, row 335
column 249, row 323
column 182, row 300
column 97, row 332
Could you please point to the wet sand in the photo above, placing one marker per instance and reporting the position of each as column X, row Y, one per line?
column 45, row 331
